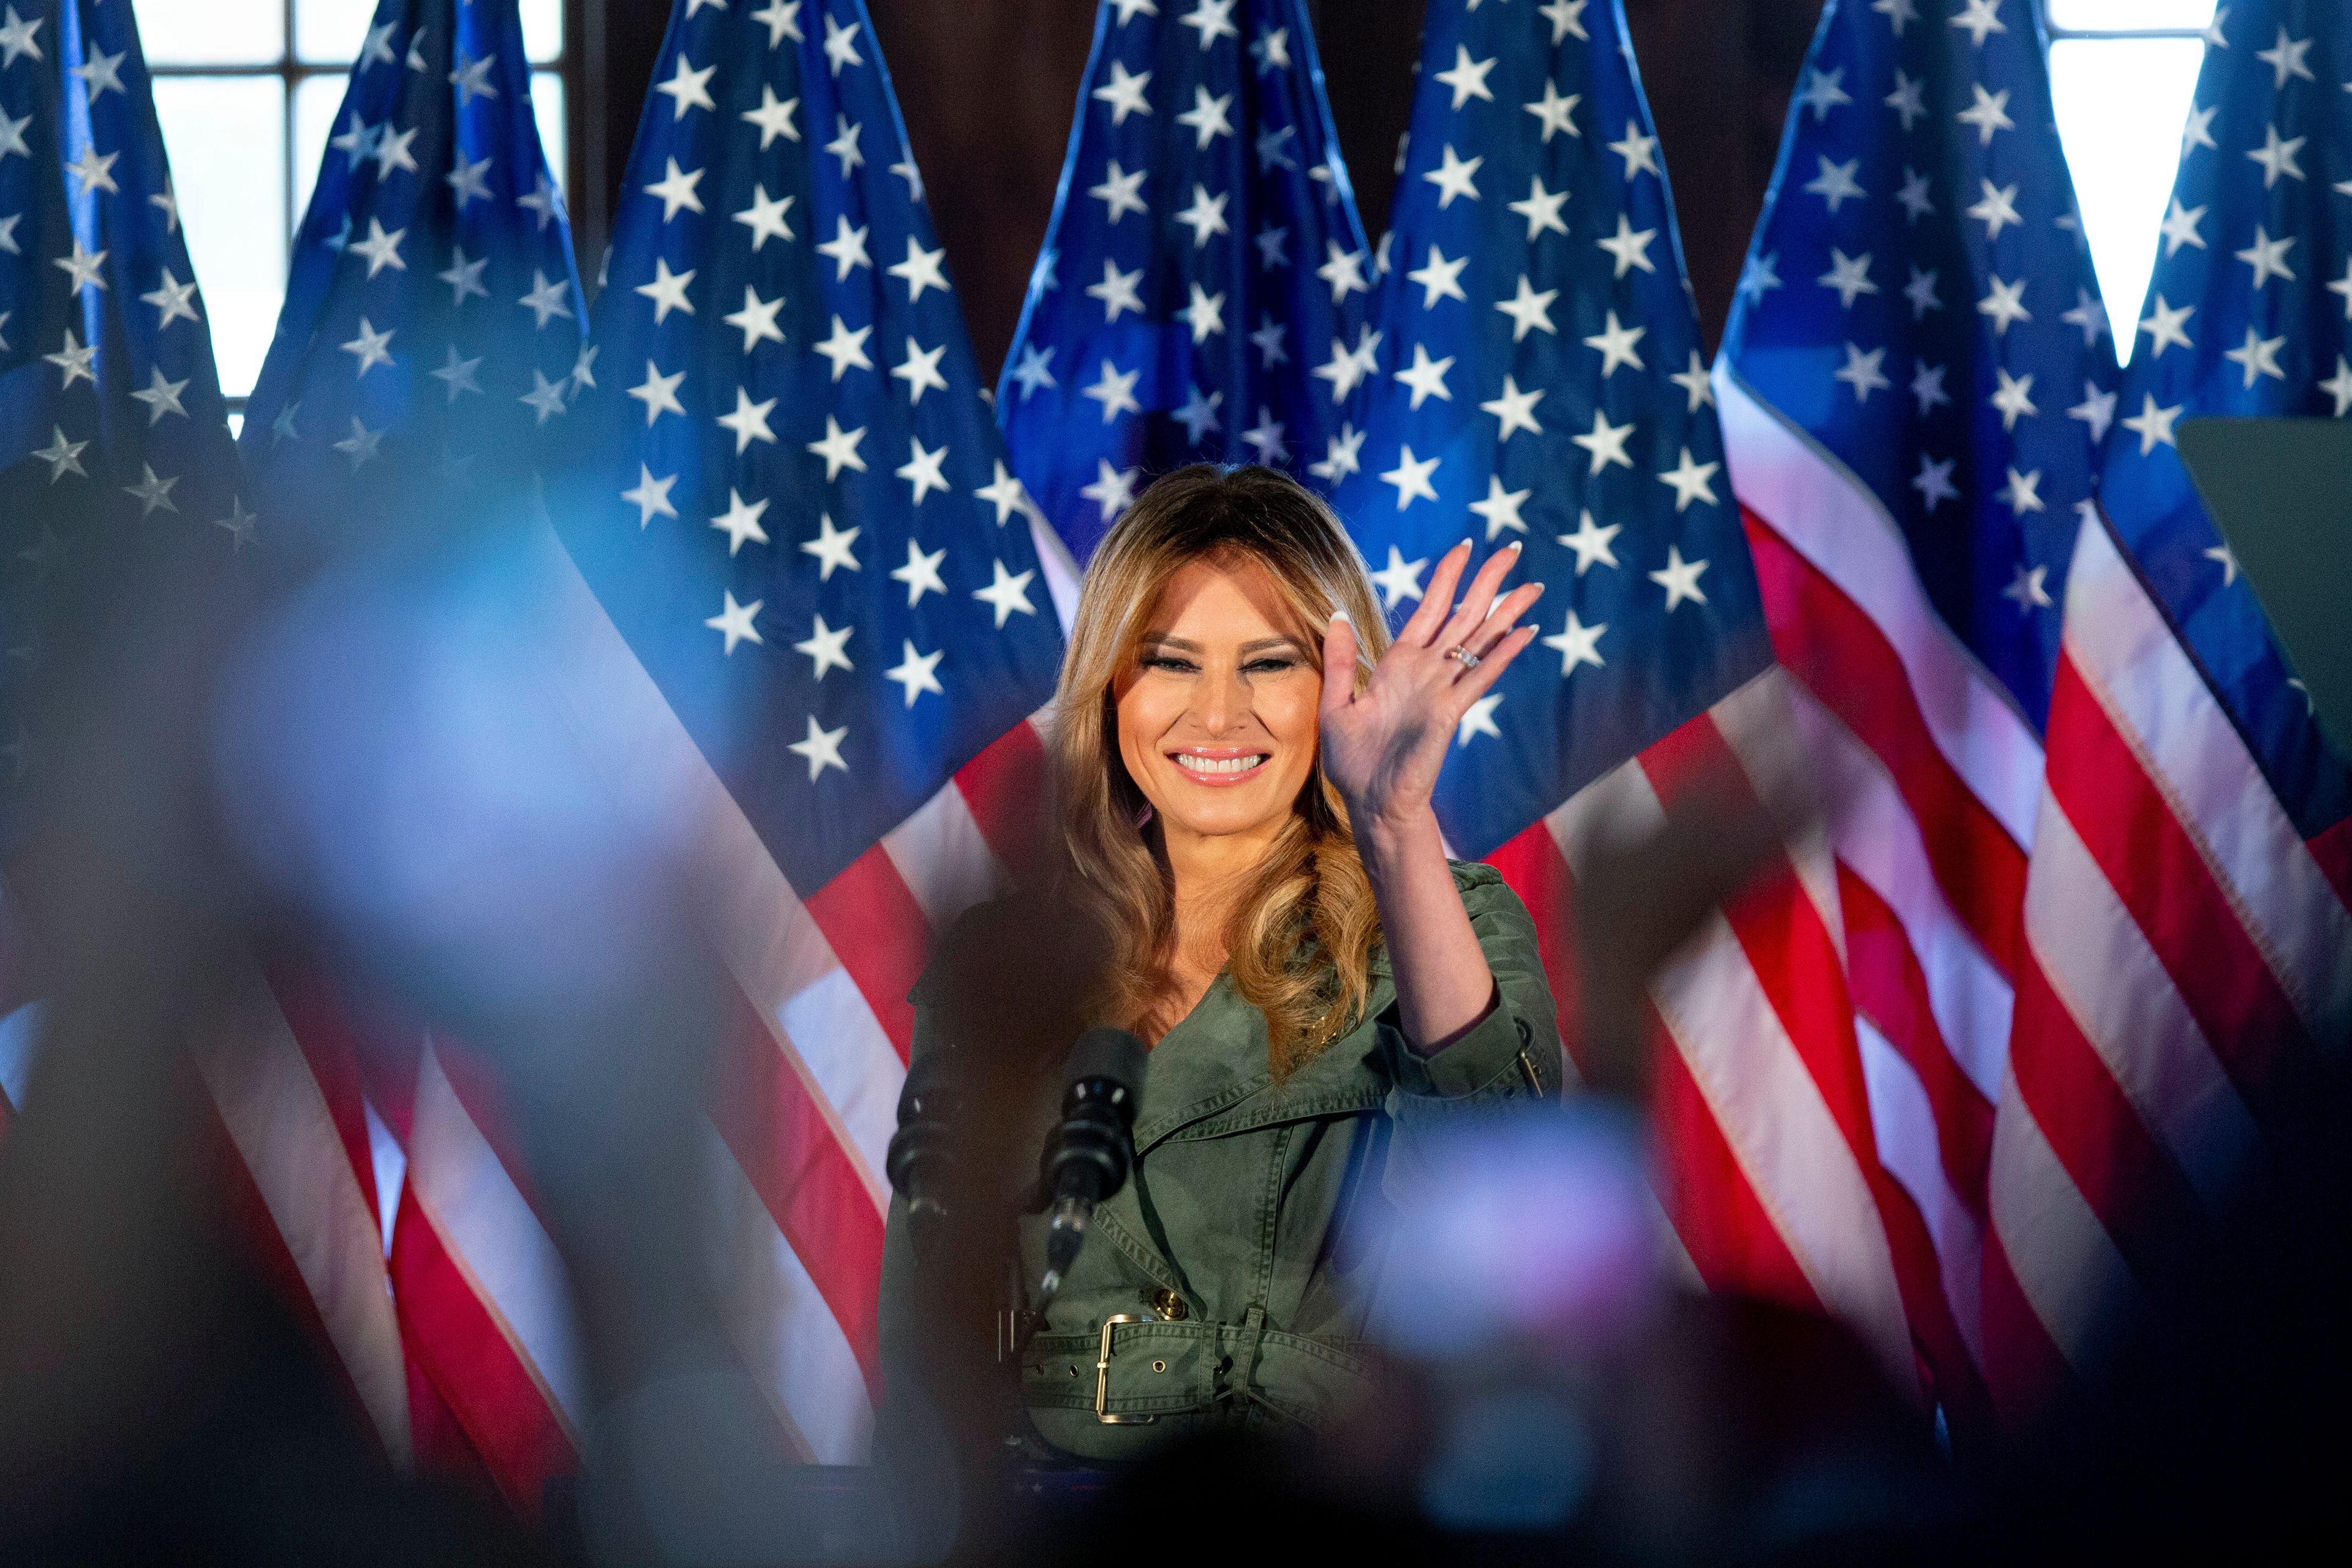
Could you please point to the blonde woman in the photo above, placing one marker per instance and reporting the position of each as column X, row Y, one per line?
column 1243, row 766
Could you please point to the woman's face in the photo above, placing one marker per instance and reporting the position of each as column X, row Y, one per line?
column 1217, row 706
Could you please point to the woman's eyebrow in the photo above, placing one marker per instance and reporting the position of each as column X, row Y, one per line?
column 1182, row 644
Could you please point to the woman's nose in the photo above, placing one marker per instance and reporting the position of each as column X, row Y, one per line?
column 1223, row 702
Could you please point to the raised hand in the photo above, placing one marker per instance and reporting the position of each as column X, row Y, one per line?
column 1382, row 746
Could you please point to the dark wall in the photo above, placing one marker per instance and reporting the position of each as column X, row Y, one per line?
column 988, row 87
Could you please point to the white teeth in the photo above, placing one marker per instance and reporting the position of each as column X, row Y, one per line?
column 1218, row 764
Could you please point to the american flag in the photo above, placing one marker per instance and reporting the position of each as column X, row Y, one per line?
column 433, row 319
column 1915, row 381
column 1202, row 291
column 115, row 434
column 430, row 345
column 1540, row 382
column 2186, row 937
column 822, row 617
column 110, row 411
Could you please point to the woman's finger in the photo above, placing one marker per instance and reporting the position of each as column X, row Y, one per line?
column 1339, row 663
column 1491, row 665
column 1504, row 618
column 1480, row 598
column 1437, row 599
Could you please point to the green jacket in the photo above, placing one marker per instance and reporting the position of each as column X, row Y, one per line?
column 1240, row 1245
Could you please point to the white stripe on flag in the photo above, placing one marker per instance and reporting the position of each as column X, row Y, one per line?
column 1755, row 721
column 1903, row 1121
column 278, row 1119
column 944, row 858
column 1837, row 525
column 781, row 1327
column 2061, row 1254
column 2099, row 964
column 2161, row 706
column 494, row 1237
column 1879, row 840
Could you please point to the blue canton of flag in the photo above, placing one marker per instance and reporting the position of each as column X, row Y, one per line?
column 2246, row 314
column 1533, row 378
column 432, row 321
column 1204, row 249
column 110, row 411
column 793, row 501
column 1920, row 301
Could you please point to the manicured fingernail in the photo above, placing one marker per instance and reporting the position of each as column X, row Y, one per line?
column 1515, row 547
column 1342, row 616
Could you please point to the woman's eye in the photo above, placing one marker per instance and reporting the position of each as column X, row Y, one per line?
column 1169, row 663
column 1269, row 666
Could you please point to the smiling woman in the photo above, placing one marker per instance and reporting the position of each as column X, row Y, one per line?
column 1243, row 785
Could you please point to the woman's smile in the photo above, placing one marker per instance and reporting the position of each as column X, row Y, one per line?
column 1219, row 767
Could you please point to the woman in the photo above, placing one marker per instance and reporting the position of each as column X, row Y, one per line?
column 1244, row 767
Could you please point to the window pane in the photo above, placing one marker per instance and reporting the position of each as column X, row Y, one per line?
column 2121, row 104
column 2130, row 15
column 317, row 100
column 213, row 33
column 327, row 32
column 543, row 29
column 226, row 139
column 547, row 108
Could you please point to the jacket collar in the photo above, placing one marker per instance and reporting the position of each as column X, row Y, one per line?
column 1209, row 1075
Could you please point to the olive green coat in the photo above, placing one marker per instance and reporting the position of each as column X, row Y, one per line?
column 1241, row 1243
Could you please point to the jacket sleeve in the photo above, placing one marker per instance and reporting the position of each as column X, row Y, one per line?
column 1511, row 1055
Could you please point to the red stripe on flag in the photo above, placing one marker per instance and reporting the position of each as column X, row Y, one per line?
column 2131, row 1182
column 1533, row 867
column 443, row 1449
column 1890, row 990
column 1005, row 788
column 793, row 1158
column 2025, row 1369
column 475, row 1364
column 1732, row 1240
column 878, row 932
column 1790, row 949
column 1781, row 933
column 1948, row 1374
column 1828, row 643
column 2105, row 787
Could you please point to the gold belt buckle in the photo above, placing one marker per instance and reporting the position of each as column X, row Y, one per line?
column 1102, row 1376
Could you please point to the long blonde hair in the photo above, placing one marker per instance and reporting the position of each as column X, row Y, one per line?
column 1300, row 937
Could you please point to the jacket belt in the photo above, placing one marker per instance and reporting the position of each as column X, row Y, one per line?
column 1193, row 1366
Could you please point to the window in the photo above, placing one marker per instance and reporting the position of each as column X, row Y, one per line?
column 2122, row 73
column 247, row 92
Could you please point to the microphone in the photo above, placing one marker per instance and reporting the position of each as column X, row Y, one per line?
column 1094, row 1148
column 920, row 1159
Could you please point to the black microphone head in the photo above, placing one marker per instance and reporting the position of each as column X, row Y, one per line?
column 1113, row 1054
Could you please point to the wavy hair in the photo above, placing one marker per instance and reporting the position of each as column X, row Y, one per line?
column 1300, row 937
